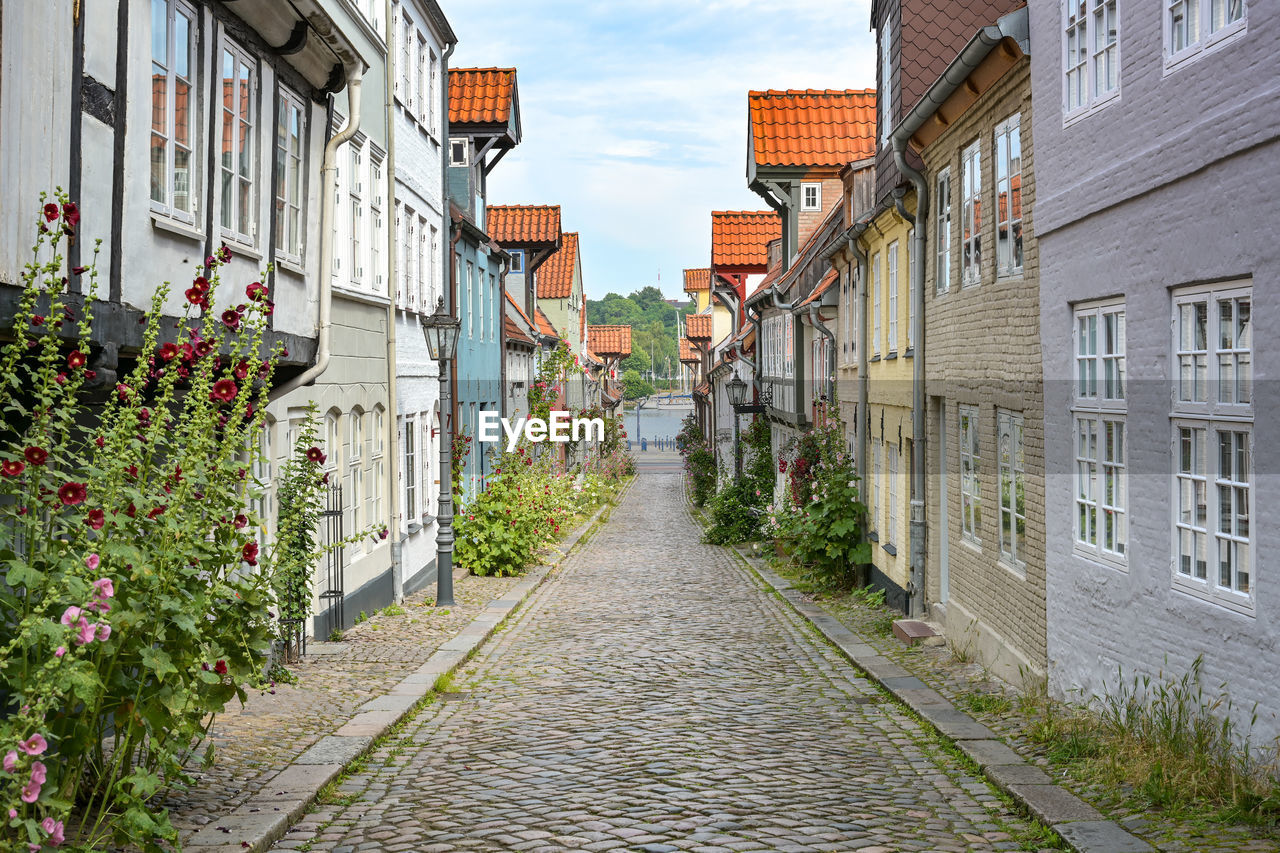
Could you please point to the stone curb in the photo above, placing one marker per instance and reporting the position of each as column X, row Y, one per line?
column 1079, row 824
column 282, row 802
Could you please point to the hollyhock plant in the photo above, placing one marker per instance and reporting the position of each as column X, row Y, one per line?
column 36, row 455
column 12, row 468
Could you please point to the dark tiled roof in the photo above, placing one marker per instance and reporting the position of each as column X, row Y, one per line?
column 932, row 34
column 812, row 127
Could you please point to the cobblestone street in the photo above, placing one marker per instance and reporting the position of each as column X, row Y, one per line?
column 652, row 696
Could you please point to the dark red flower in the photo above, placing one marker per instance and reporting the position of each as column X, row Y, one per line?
column 203, row 348
column 70, row 214
column 91, row 374
column 12, row 467
column 95, row 519
column 270, row 308
column 383, row 533
column 36, row 455
column 195, row 297
column 316, row 455
column 37, row 320
column 325, row 478
column 131, row 511
column 220, row 667
column 72, row 493
column 242, row 370
column 224, row 390
column 240, row 521
column 61, row 378
column 132, row 471
column 144, row 415
column 50, row 212
column 77, row 359
column 201, row 284
column 99, row 441
column 158, row 511
column 123, row 391
column 168, row 352
column 231, row 319
column 284, row 352
column 78, row 270
column 256, row 291
column 224, row 253
column 249, row 553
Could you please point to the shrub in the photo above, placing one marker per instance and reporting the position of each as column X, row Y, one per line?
column 699, row 461
column 737, row 510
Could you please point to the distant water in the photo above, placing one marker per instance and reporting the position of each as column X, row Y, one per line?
column 655, row 422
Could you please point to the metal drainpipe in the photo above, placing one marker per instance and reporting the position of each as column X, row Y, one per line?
column 327, row 169
column 390, row 423
column 919, row 527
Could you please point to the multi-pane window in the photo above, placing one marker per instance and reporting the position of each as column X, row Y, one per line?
column 355, row 470
column 877, row 450
column 471, row 303
column 971, row 215
column 517, row 261
column 810, row 197
column 410, row 473
column 1091, row 53
column 891, row 282
column 893, row 455
column 911, row 287
column 377, row 467
column 1212, row 422
column 433, row 95
column 376, row 234
column 1008, row 153
column 237, row 156
column 423, row 267
column 942, row 277
column 875, row 304
column 355, row 210
column 173, row 107
column 434, row 272
column 788, row 342
column 1013, row 480
column 1100, row 453
column 1192, row 26
column 970, row 475
column 404, row 80
column 290, row 126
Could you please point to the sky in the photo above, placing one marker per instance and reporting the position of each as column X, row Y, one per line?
column 635, row 112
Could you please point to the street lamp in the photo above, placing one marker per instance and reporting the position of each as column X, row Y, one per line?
column 441, row 331
column 737, row 394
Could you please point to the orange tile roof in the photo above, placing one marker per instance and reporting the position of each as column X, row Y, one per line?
column 688, row 353
column 740, row 238
column 610, row 340
column 697, row 327
column 522, row 224
column 555, row 279
column 544, row 325
column 514, row 332
column 481, row 95
column 697, row 279
column 703, row 389
column 812, row 127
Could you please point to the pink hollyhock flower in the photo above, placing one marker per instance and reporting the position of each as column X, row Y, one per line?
column 31, row 793
column 11, row 761
column 92, row 562
column 72, row 494
column 72, row 615
column 104, row 632
column 38, row 771
column 54, row 829
column 62, row 650
column 34, row 745
column 103, row 587
column 88, row 631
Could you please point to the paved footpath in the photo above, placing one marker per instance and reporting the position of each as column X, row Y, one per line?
column 653, row 697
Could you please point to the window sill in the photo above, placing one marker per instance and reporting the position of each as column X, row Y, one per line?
column 970, row 542
column 1082, row 113
column 1203, row 591
column 872, row 536
column 873, row 359
column 239, row 248
column 892, row 356
column 361, row 296
column 910, row 353
column 1018, row 570
column 1208, row 45
column 1100, row 561
column 291, row 265
column 173, row 226
column 890, row 549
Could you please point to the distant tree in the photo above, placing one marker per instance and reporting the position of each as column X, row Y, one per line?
column 636, row 387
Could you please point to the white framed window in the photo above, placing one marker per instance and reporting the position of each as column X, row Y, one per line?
column 263, row 473
column 942, row 232
column 290, row 170
column 970, row 475
column 1013, row 483
column 789, row 342
column 355, row 469
column 971, row 221
column 1008, row 156
column 875, row 304
column 517, row 261
column 434, row 272
column 422, row 77
column 891, row 282
column 402, row 252
column 911, row 285
column 1091, row 54
column 355, row 211
column 1192, row 27
column 891, row 531
column 404, row 80
column 1100, row 452
column 811, row 197
column 238, row 163
column 377, row 466
column 377, row 235
column 885, row 91
column 458, row 151
column 471, row 299
column 412, row 261
column 1212, row 423
column 409, row 472
column 877, row 451
column 423, row 268
column 174, row 114
column 433, row 95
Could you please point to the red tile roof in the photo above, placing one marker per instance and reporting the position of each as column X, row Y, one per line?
column 687, row 353
column 812, row 127
column 697, row 279
column 523, row 224
column 697, row 327
column 544, row 325
column 481, row 95
column 740, row 238
column 703, row 389
column 610, row 340
column 514, row 332
column 555, row 279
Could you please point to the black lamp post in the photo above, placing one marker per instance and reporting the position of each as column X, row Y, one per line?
column 737, row 394
column 441, row 331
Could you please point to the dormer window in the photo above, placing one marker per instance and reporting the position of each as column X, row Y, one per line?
column 811, row 197
column 517, row 262
column 457, row 152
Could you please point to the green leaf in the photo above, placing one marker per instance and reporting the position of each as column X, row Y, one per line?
column 158, row 661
